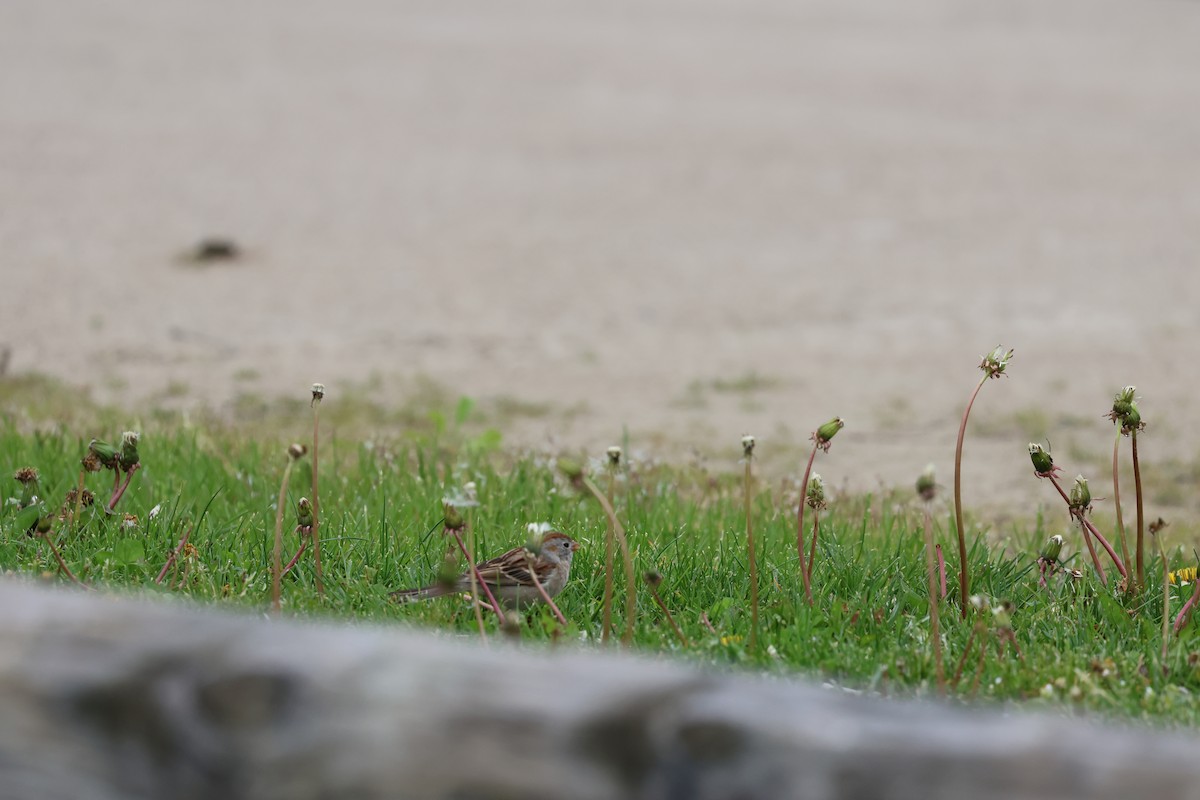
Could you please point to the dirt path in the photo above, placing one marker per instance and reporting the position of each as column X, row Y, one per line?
column 691, row 219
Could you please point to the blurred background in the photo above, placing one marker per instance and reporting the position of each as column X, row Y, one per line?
column 674, row 221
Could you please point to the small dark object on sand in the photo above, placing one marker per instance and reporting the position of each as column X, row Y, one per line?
column 213, row 249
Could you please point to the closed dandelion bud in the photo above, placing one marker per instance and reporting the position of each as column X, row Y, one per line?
column 304, row 514
column 452, row 517
column 830, row 429
column 653, row 579
column 1081, row 495
column 1132, row 421
column 105, row 453
column 1052, row 549
column 128, row 458
column 571, row 468
column 815, row 495
column 296, row 451
column 927, row 483
column 1043, row 464
column 448, row 573
column 45, row 523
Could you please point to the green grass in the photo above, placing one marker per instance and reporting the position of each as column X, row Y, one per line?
column 1083, row 647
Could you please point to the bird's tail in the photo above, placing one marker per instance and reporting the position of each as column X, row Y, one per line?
column 424, row 593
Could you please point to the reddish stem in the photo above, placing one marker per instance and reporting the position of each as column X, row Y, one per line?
column 62, row 565
column 1137, row 489
column 1182, row 618
column 174, row 555
column 963, row 580
column 542, row 590
column 1108, row 548
column 941, row 559
column 1092, row 551
column 478, row 578
column 120, row 491
column 300, row 552
column 1117, row 500
column 800, row 523
column 816, row 531
column 316, row 509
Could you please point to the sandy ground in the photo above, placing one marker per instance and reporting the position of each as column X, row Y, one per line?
column 690, row 219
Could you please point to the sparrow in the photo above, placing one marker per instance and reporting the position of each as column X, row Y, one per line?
column 508, row 575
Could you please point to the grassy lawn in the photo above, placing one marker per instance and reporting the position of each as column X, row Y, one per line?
column 1081, row 646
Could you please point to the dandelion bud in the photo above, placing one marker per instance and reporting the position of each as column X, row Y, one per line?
column 652, row 579
column 571, row 468
column 44, row 524
column 747, row 445
column 1081, row 495
column 452, row 517
column 304, row 513
column 1122, row 402
column 614, row 456
column 827, row 431
column 105, row 453
column 318, row 393
column 1132, row 421
column 296, row 451
column 927, row 483
column 995, row 362
column 815, row 494
column 448, row 572
column 1052, row 549
column 128, row 459
column 1043, row 464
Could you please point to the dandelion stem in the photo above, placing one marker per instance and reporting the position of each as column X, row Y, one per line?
column 1092, row 552
column 934, row 632
column 78, row 502
column 964, row 583
column 478, row 579
column 1166, row 612
column 1107, row 548
column 542, row 590
column 277, row 553
column 812, row 547
column 667, row 612
column 751, row 556
column 962, row 660
column 316, row 505
column 1117, row 499
column 1184, row 612
column 296, row 558
column 941, row 560
column 470, row 554
column 174, row 555
column 119, row 492
column 623, row 543
column 62, row 565
column 800, row 524
column 1137, row 489
column 609, row 556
